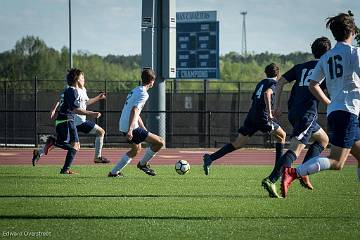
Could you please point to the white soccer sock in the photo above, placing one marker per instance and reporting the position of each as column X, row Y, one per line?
column 313, row 165
column 358, row 174
column 125, row 160
column 41, row 151
column 147, row 156
column 99, row 141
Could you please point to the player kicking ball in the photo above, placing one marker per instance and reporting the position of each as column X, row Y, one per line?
column 132, row 126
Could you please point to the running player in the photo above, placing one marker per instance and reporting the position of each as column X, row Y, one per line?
column 259, row 118
column 132, row 126
column 302, row 106
column 340, row 67
column 67, row 136
column 82, row 124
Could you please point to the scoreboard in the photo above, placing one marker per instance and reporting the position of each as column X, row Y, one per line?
column 197, row 45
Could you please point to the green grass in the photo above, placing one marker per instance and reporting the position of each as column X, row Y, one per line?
column 228, row 204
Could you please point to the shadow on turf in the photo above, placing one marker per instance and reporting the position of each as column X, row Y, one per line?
column 194, row 218
column 136, row 196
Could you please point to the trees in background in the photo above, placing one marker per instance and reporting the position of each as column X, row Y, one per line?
column 32, row 57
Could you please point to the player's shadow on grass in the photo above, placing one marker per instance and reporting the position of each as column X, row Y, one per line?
column 191, row 218
column 228, row 196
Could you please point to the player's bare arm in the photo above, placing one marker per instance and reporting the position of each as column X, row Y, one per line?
column 316, row 90
column 278, row 91
column 267, row 99
column 135, row 114
column 99, row 97
column 92, row 114
column 53, row 109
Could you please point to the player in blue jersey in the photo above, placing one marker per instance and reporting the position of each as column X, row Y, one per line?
column 259, row 118
column 340, row 66
column 67, row 136
column 302, row 115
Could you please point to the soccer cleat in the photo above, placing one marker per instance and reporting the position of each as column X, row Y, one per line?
column 146, row 169
column 207, row 162
column 305, row 182
column 49, row 144
column 270, row 187
column 118, row 174
column 67, row 172
column 288, row 176
column 36, row 157
column 101, row 160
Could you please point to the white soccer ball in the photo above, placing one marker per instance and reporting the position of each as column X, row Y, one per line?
column 182, row 167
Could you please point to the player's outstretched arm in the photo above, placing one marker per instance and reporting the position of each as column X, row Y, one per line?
column 92, row 114
column 99, row 97
column 53, row 109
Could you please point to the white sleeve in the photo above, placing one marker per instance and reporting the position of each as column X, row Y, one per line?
column 140, row 101
column 318, row 74
column 357, row 62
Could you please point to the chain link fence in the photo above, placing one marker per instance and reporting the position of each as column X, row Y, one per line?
column 198, row 113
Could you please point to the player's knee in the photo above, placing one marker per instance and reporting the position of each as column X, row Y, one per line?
column 337, row 165
column 161, row 143
column 101, row 132
column 76, row 146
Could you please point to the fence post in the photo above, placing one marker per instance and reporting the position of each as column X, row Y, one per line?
column 106, row 113
column 6, row 111
column 209, row 128
column 239, row 104
column 206, row 129
column 36, row 110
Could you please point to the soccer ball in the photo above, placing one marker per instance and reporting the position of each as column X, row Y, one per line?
column 182, row 167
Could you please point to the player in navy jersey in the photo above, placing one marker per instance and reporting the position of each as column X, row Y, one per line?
column 340, row 66
column 67, row 136
column 259, row 118
column 302, row 114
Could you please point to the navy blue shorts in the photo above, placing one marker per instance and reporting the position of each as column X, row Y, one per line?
column 304, row 127
column 251, row 126
column 86, row 126
column 139, row 135
column 343, row 129
column 66, row 132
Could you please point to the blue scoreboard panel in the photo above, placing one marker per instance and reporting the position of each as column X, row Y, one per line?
column 197, row 50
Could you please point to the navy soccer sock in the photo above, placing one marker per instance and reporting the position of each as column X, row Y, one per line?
column 314, row 150
column 69, row 159
column 228, row 148
column 285, row 159
column 279, row 147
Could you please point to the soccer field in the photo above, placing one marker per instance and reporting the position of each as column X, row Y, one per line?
column 228, row 204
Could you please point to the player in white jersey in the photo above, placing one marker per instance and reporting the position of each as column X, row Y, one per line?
column 341, row 68
column 132, row 126
column 81, row 123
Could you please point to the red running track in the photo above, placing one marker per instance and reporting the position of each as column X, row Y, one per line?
column 13, row 156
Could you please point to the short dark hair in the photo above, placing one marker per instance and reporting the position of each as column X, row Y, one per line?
column 341, row 26
column 147, row 76
column 320, row 46
column 272, row 70
column 73, row 75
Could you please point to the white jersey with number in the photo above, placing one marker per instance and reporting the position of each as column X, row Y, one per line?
column 79, row 119
column 341, row 68
column 136, row 98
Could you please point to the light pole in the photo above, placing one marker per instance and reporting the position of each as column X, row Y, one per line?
column 70, row 53
column 243, row 39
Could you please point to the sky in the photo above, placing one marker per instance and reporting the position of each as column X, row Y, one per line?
column 113, row 26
